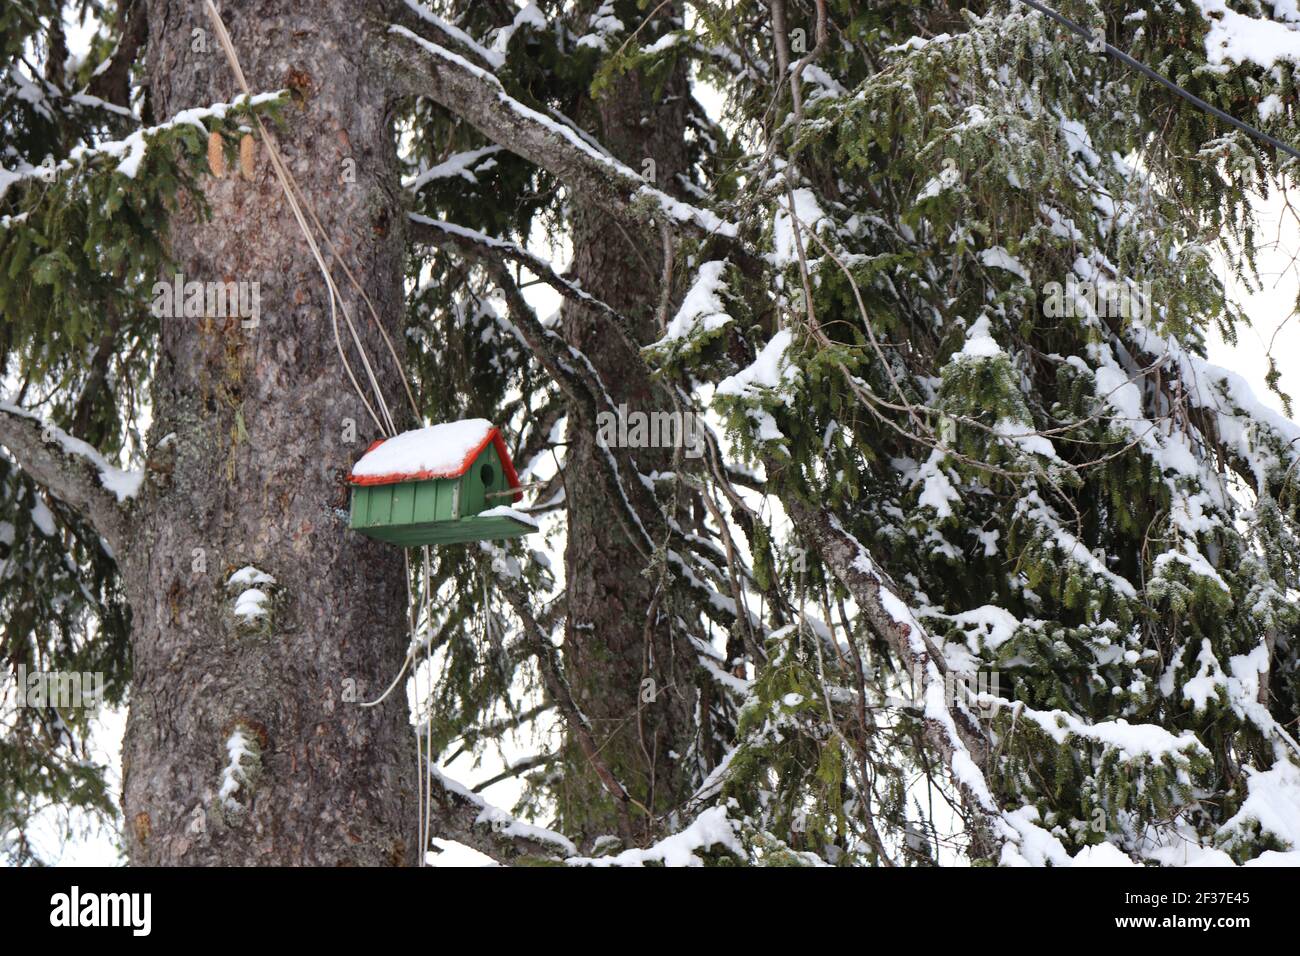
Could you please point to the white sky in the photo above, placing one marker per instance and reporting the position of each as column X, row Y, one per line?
column 1271, row 309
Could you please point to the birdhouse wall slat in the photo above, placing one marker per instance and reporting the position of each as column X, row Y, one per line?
column 404, row 503
column 426, row 502
column 471, row 493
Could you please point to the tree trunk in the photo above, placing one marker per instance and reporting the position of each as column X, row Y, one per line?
column 250, row 444
column 618, row 637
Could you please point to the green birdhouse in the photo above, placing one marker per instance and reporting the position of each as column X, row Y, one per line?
column 444, row 484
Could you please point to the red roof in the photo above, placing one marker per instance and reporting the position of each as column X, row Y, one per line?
column 493, row 436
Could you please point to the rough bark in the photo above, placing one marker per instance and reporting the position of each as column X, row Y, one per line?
column 113, row 84
column 618, row 632
column 248, row 453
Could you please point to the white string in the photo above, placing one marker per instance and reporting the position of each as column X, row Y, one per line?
column 427, row 811
column 424, row 788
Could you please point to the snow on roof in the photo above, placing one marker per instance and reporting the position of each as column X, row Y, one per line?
column 436, row 451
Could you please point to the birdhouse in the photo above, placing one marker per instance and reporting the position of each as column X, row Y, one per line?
column 444, row 484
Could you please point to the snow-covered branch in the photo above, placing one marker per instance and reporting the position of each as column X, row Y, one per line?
column 425, row 68
column 71, row 470
column 443, row 234
column 953, row 733
column 419, row 19
column 130, row 151
column 465, row 817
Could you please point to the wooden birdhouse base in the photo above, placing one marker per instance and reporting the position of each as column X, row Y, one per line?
column 473, row 528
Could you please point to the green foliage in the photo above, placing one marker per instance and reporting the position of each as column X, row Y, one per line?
column 960, row 177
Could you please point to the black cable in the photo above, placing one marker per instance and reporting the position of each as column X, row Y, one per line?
column 1168, row 84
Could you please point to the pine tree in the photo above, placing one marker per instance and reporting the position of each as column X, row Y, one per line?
column 961, row 548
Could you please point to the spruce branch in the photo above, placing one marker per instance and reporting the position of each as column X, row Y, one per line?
column 954, row 733
column 465, row 817
column 72, row 471
column 638, row 513
column 424, row 68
